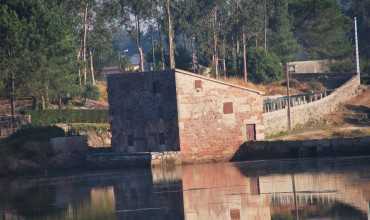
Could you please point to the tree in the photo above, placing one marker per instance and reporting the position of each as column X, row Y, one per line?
column 171, row 48
column 38, row 48
column 266, row 66
column 321, row 28
column 361, row 9
column 283, row 42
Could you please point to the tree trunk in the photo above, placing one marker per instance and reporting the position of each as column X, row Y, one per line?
column 47, row 100
column 193, row 56
column 215, row 42
column 245, row 67
column 79, row 67
column 224, row 56
column 42, row 102
column 161, row 45
column 84, row 45
column 234, row 54
column 12, row 100
column 153, row 48
column 265, row 24
column 92, row 68
column 170, row 36
column 59, row 102
column 138, row 44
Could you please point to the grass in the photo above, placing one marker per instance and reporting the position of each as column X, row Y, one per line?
column 102, row 86
column 50, row 117
column 350, row 133
column 78, row 128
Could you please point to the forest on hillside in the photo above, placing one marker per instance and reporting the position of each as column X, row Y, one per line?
column 54, row 49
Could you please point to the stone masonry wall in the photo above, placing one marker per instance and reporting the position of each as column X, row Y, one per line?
column 206, row 132
column 143, row 112
column 277, row 121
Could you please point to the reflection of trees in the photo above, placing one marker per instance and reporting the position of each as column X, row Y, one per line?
column 100, row 205
column 34, row 201
column 41, row 202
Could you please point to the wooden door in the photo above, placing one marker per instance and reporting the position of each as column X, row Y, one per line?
column 251, row 132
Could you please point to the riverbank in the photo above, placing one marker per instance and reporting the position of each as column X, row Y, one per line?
column 36, row 151
column 252, row 151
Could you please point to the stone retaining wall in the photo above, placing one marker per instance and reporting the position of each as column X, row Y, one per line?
column 69, row 152
column 343, row 147
column 276, row 122
column 168, row 158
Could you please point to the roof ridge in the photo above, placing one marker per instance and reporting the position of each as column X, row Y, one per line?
column 218, row 81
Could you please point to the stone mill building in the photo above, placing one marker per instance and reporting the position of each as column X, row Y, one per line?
column 175, row 110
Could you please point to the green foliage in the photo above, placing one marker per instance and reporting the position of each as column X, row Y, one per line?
column 264, row 67
column 35, row 133
column 283, row 42
column 50, row 117
column 183, row 58
column 342, row 66
column 28, row 149
column 84, row 128
column 40, row 39
column 361, row 9
column 38, row 47
column 31, row 142
column 91, row 92
column 321, row 28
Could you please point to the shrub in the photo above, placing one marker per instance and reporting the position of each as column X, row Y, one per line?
column 50, row 117
column 31, row 142
column 91, row 92
column 264, row 67
column 28, row 149
column 36, row 133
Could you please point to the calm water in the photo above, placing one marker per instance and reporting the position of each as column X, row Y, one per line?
column 315, row 189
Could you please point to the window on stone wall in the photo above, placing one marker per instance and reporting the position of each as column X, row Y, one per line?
column 198, row 84
column 228, row 108
column 130, row 140
column 235, row 214
column 156, row 89
column 162, row 139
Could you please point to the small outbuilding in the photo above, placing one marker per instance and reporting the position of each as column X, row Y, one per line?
column 175, row 110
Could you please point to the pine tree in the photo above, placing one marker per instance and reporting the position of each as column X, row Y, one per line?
column 283, row 42
column 321, row 28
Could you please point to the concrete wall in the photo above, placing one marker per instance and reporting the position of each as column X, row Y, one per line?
column 143, row 108
column 206, row 133
column 277, row 121
column 311, row 66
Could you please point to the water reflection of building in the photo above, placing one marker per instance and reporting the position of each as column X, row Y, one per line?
column 220, row 191
column 216, row 191
column 223, row 192
column 139, row 198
